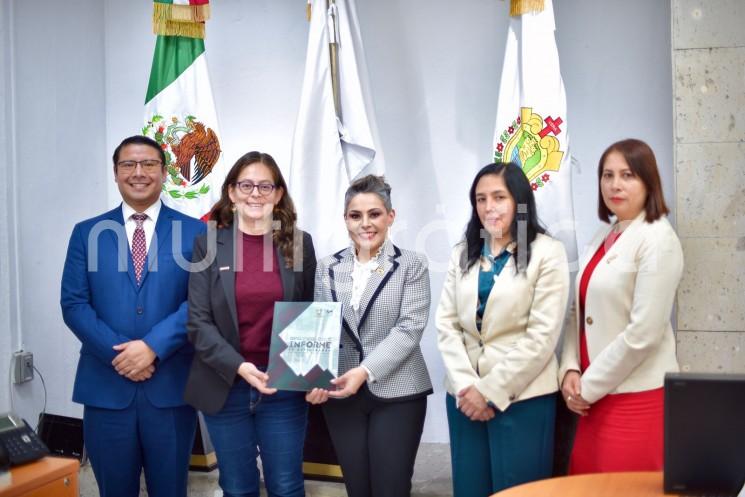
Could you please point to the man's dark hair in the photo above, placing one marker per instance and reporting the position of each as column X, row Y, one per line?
column 139, row 140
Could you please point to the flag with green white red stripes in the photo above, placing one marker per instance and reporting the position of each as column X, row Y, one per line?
column 180, row 115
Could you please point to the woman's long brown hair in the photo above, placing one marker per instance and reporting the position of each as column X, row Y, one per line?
column 284, row 210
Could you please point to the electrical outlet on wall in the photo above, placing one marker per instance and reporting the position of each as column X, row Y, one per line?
column 23, row 366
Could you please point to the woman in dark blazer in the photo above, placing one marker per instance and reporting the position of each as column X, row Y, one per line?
column 240, row 269
column 376, row 414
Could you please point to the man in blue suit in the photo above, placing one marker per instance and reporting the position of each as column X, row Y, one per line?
column 124, row 296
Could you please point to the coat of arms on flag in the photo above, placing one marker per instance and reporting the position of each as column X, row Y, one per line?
column 532, row 142
column 191, row 150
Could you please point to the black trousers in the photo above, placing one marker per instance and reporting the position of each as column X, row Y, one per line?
column 376, row 442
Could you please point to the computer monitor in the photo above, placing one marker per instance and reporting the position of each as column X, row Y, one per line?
column 62, row 435
column 704, row 433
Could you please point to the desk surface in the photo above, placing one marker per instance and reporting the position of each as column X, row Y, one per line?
column 28, row 476
column 605, row 484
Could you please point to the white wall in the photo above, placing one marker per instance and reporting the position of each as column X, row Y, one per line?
column 60, row 168
column 434, row 67
column 616, row 63
column 8, row 305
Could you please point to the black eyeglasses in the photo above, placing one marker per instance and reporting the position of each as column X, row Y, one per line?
column 147, row 165
column 247, row 187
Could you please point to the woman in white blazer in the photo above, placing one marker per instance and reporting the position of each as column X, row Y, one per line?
column 376, row 414
column 620, row 343
column 498, row 322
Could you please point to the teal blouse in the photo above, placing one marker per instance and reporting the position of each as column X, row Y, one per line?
column 494, row 266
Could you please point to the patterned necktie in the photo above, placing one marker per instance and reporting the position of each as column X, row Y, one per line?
column 139, row 249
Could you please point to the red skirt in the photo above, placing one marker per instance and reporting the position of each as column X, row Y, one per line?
column 622, row 432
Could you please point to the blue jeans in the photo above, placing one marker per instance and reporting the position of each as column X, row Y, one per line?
column 250, row 424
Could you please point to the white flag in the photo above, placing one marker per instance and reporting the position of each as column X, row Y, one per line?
column 531, row 128
column 180, row 115
column 328, row 153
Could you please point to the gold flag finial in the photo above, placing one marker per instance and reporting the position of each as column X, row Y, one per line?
column 520, row 7
column 307, row 10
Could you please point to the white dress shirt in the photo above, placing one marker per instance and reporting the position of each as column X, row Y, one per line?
column 148, row 225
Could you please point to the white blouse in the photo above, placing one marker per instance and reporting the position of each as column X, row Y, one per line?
column 360, row 276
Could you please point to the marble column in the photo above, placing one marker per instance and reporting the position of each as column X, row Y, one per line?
column 709, row 103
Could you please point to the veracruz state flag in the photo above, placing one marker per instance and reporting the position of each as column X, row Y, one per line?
column 531, row 126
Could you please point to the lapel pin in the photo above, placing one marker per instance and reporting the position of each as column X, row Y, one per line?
column 379, row 270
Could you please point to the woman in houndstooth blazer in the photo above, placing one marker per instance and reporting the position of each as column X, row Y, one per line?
column 376, row 414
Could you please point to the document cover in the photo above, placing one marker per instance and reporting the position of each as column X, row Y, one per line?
column 304, row 352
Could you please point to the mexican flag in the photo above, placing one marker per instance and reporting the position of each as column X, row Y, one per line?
column 180, row 116
column 531, row 126
column 332, row 146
